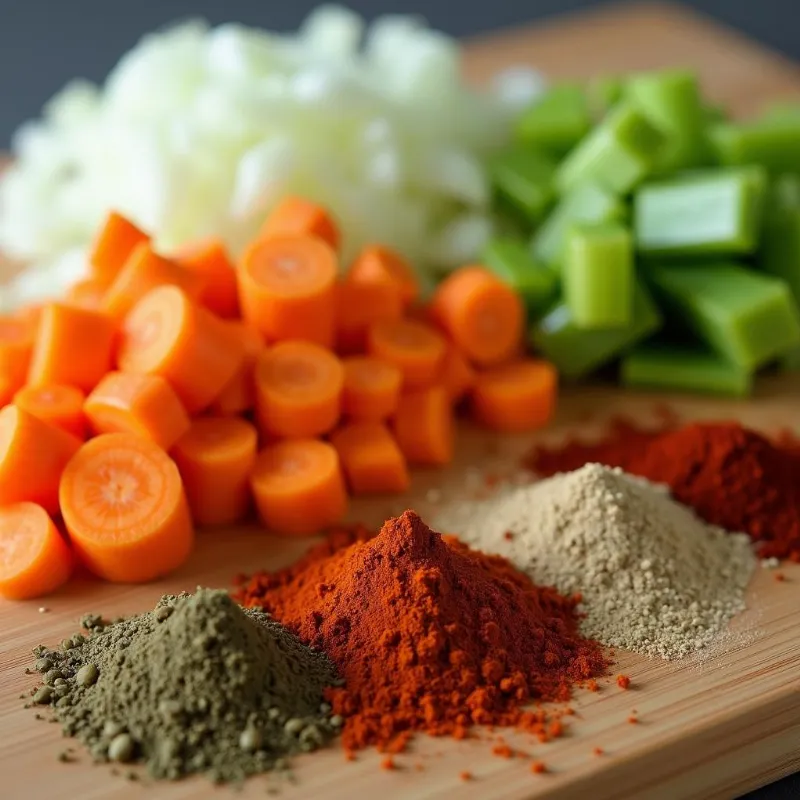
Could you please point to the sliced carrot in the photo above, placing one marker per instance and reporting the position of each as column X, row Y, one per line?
column 287, row 289
column 125, row 509
column 73, row 346
column 215, row 459
column 144, row 405
column 358, row 307
column 299, row 216
column 457, row 376
column 209, row 260
column 35, row 560
column 33, row 455
column 167, row 334
column 483, row 316
column 143, row 271
column 298, row 487
column 371, row 460
column 298, row 390
column 17, row 336
column 378, row 264
column 115, row 242
column 516, row 397
column 415, row 348
column 371, row 388
column 239, row 394
column 89, row 293
column 55, row 403
column 424, row 426
column 31, row 314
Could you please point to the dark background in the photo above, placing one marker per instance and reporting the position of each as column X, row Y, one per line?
column 44, row 43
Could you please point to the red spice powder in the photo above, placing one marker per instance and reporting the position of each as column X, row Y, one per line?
column 598, row 751
column 780, row 577
column 538, row 767
column 502, row 751
column 733, row 477
column 623, row 681
column 388, row 764
column 465, row 776
column 428, row 635
column 592, row 685
column 633, row 720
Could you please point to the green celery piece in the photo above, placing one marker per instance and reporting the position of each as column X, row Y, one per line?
column 706, row 212
column 598, row 275
column 790, row 362
column 780, row 248
column 783, row 194
column 577, row 352
column 511, row 261
column 618, row 154
column 587, row 203
column 606, row 91
column 771, row 143
column 747, row 317
column 781, row 111
column 659, row 366
column 557, row 121
column 715, row 113
column 671, row 100
column 523, row 177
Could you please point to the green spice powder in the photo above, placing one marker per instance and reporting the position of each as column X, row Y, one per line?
column 197, row 685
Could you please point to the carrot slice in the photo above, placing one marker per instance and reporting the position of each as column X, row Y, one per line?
column 378, row 264
column 73, row 346
column 239, row 394
column 298, row 390
column 359, row 306
column 482, row 315
column 299, row 216
column 209, row 260
column 415, row 348
column 457, row 376
column 115, row 242
column 167, row 334
column 144, row 271
column 287, row 288
column 34, row 558
column 143, row 405
column 371, row 460
column 33, row 455
column 57, row 404
column 125, row 509
column 89, row 293
column 516, row 397
column 17, row 336
column 215, row 459
column 371, row 388
column 424, row 426
column 298, row 487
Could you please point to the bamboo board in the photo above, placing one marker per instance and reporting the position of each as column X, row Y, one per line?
column 710, row 727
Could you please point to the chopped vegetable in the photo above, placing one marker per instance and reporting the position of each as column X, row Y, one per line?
column 557, row 120
column 238, row 396
column 457, row 376
column 371, row 388
column 371, row 460
column 57, row 404
column 377, row 264
column 523, row 180
column 424, row 426
column 210, row 262
column 117, row 239
column 771, row 143
column 414, row 347
column 298, row 216
column 606, row 91
column 359, row 306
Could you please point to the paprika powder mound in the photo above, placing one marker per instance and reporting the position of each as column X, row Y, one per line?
column 731, row 476
column 429, row 635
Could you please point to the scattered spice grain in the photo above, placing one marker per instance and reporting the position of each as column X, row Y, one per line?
column 623, row 681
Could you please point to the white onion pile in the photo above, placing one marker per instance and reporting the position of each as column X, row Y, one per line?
column 199, row 131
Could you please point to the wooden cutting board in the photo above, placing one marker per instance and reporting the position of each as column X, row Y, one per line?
column 710, row 727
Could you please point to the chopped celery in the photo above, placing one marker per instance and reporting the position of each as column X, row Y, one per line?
column 587, row 203
column 511, row 261
column 660, row 366
column 523, row 177
column 747, row 317
column 773, row 143
column 714, row 114
column 598, row 275
column 713, row 212
column 780, row 247
column 577, row 352
column 606, row 91
column 783, row 194
column 558, row 120
column 790, row 362
column 670, row 99
column 620, row 152
column 779, row 111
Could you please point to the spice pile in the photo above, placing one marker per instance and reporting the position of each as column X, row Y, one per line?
column 196, row 685
column 653, row 577
column 731, row 476
column 429, row 635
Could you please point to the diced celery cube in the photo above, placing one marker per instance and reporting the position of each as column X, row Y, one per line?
column 783, row 194
column 598, row 275
column 577, row 352
column 773, row 143
column 606, row 91
column 780, row 248
column 661, row 366
column 557, row 121
column 511, row 261
column 714, row 212
column 523, row 178
column 747, row 317
column 618, row 154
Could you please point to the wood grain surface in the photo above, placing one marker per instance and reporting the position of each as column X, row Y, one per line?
column 710, row 727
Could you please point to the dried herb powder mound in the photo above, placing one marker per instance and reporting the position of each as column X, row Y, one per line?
column 198, row 685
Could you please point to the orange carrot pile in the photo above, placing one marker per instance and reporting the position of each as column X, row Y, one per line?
column 171, row 390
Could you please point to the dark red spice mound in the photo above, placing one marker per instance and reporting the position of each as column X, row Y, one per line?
column 429, row 635
column 733, row 477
